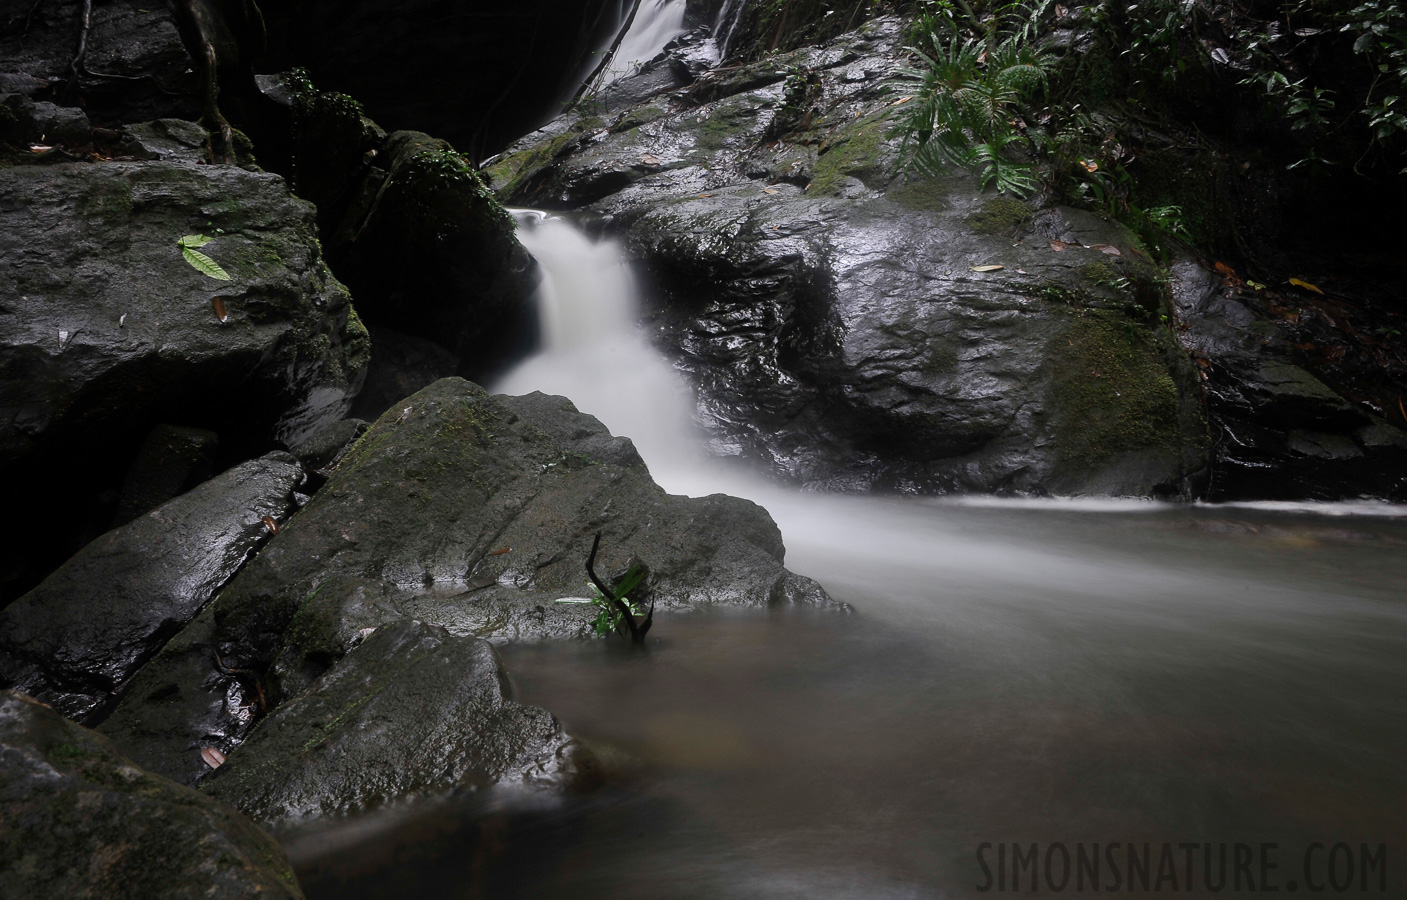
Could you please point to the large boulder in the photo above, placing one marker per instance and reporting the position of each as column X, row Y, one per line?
column 460, row 510
column 106, row 330
column 852, row 328
column 410, row 708
column 78, row 820
column 75, row 639
column 431, row 253
column 411, row 228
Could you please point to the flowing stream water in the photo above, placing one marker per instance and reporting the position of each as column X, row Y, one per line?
column 1048, row 673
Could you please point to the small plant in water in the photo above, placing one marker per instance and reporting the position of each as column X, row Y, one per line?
column 616, row 611
column 608, row 615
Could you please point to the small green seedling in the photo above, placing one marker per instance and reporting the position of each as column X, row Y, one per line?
column 608, row 616
column 616, row 611
column 199, row 261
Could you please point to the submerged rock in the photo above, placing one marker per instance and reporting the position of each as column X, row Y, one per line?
column 79, row 820
column 410, row 708
column 459, row 510
column 75, row 639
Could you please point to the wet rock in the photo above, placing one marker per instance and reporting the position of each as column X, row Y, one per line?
column 105, row 330
column 459, row 510
column 166, row 139
column 1279, row 431
column 24, row 121
column 135, row 66
column 75, row 639
column 172, row 460
column 410, row 709
column 852, row 328
column 79, row 820
column 324, row 447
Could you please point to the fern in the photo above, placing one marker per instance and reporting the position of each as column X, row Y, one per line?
column 968, row 91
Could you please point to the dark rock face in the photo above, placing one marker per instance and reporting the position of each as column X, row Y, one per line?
column 134, row 41
column 853, row 329
column 477, row 75
column 105, row 330
column 1279, row 430
column 401, row 364
column 409, row 708
column 434, row 255
column 172, row 460
column 79, row 820
column 458, row 510
column 76, row 639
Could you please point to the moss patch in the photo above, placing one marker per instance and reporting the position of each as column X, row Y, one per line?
column 1111, row 391
column 923, row 195
column 1000, row 215
column 852, row 152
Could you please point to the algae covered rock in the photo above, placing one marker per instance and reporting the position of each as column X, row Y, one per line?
column 75, row 639
column 431, row 253
column 79, row 820
column 411, row 708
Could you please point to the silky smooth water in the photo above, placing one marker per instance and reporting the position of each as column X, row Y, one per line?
column 1037, row 672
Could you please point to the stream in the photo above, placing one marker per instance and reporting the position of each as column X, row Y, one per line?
column 1102, row 676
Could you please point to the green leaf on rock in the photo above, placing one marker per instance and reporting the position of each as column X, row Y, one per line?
column 204, row 264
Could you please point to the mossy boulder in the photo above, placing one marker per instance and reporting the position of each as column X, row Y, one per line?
column 77, row 819
column 431, row 253
column 409, row 709
column 457, row 509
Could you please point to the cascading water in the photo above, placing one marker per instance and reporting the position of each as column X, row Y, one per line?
column 594, row 353
column 726, row 24
column 657, row 22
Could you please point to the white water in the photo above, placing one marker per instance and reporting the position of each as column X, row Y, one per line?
column 657, row 22
column 594, row 353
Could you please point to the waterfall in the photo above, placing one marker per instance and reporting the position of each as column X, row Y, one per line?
column 727, row 23
column 657, row 22
column 594, row 352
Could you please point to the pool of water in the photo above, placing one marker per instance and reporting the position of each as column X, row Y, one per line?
column 1013, row 674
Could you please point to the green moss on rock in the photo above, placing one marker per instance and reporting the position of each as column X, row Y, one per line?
column 854, row 151
column 1111, row 391
column 1000, row 215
